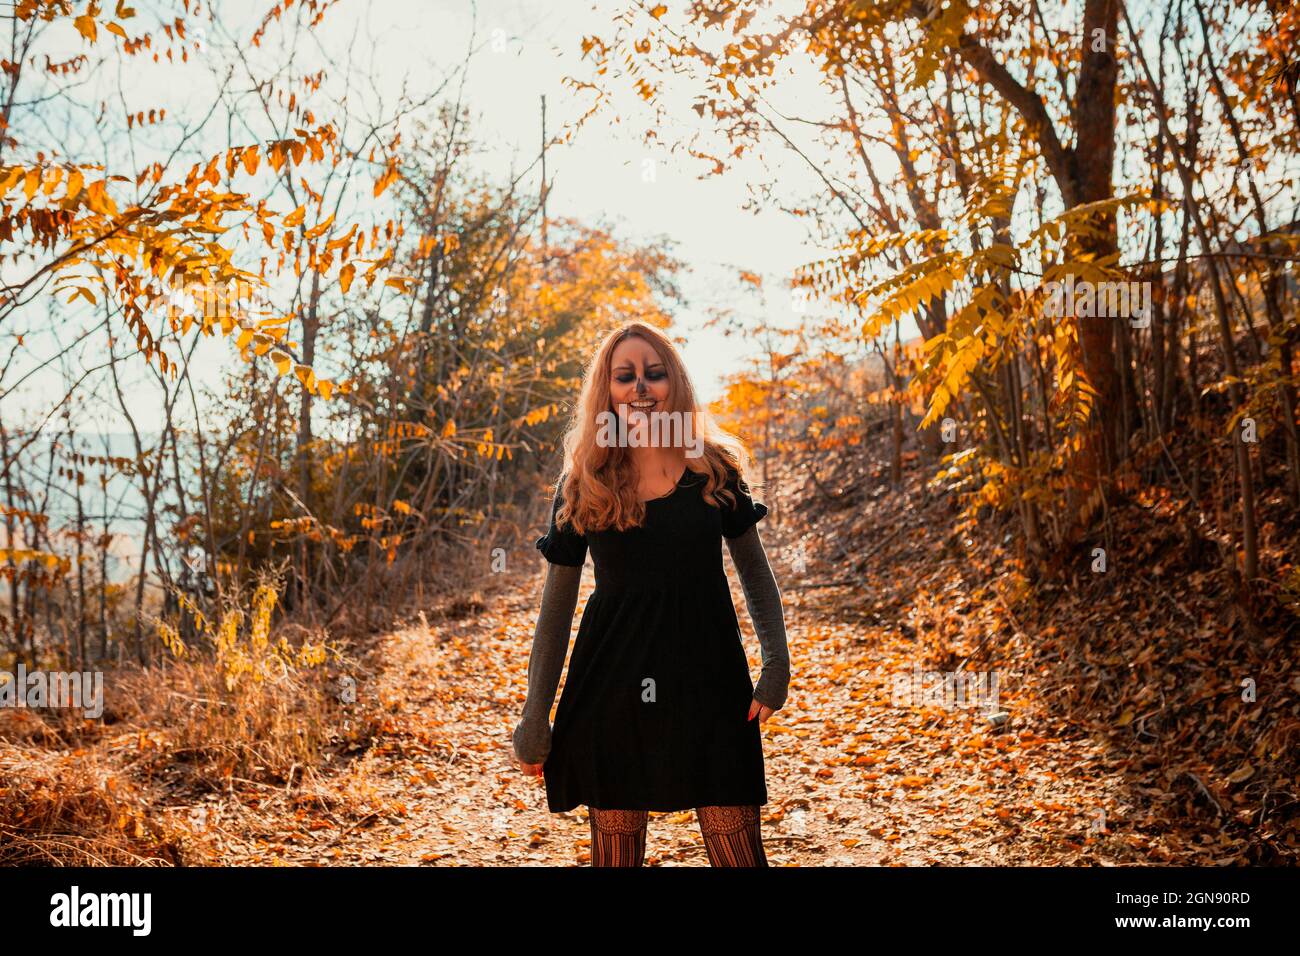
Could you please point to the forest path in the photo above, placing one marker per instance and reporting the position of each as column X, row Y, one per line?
column 854, row 778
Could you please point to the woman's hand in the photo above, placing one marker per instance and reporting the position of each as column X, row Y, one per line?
column 762, row 710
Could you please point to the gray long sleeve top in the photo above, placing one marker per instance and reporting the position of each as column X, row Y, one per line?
column 532, row 735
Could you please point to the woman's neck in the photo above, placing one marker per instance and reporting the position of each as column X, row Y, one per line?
column 651, row 461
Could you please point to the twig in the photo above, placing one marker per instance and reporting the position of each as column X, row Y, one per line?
column 845, row 582
column 368, row 818
column 1208, row 796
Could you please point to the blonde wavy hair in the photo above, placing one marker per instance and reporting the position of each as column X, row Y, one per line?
column 600, row 483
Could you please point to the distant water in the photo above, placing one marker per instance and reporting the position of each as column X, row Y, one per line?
column 122, row 500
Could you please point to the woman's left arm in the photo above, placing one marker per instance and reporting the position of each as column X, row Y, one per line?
column 764, row 602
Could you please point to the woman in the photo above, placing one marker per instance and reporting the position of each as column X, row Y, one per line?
column 658, row 709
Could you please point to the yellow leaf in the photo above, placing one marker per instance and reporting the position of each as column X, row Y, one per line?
column 449, row 429
column 116, row 28
column 345, row 276
column 85, row 25
column 75, row 182
column 325, row 387
column 319, row 229
column 282, row 362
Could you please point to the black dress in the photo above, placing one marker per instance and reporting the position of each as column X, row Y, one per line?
column 653, row 715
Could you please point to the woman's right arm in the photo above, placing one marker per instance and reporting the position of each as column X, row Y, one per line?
column 532, row 736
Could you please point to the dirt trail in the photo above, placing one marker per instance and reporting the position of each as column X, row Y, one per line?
column 853, row 778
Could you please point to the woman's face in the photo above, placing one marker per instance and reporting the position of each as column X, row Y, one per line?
column 638, row 379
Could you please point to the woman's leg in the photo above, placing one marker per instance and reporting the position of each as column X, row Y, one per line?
column 617, row 836
column 732, row 836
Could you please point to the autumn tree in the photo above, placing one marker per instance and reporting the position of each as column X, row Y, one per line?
column 969, row 153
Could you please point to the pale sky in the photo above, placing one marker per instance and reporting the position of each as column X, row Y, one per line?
column 531, row 46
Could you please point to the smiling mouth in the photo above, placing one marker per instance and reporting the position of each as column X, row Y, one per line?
column 642, row 405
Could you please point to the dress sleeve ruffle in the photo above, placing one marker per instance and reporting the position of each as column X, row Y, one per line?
column 744, row 514
column 562, row 544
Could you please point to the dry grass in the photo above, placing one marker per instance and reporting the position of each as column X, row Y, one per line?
column 233, row 713
column 77, row 809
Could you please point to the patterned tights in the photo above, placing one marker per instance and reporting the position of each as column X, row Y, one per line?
column 731, row 836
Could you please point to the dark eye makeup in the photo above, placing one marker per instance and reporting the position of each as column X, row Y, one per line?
column 654, row 374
